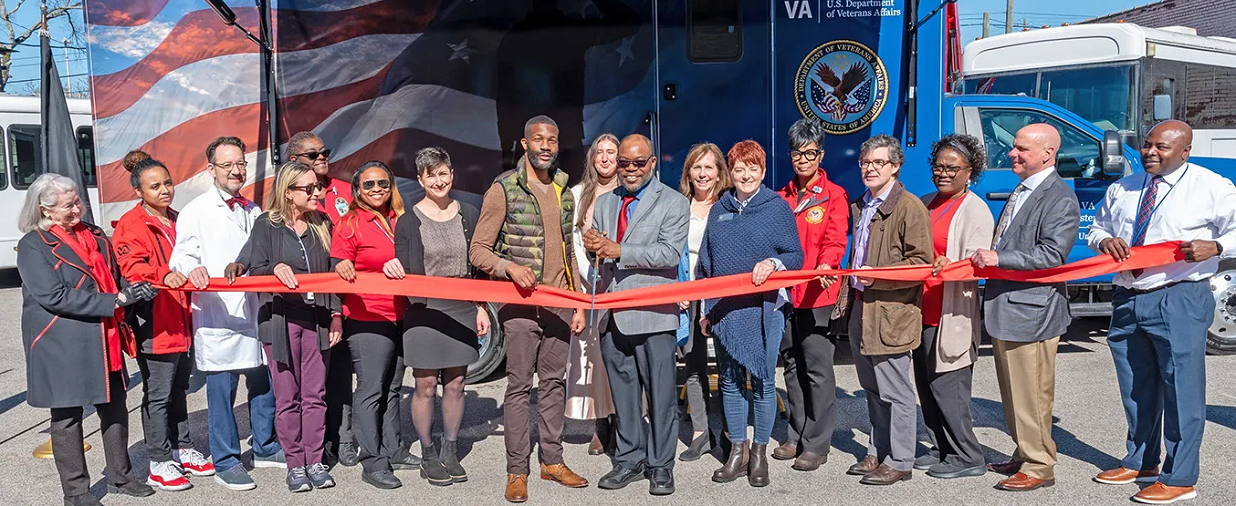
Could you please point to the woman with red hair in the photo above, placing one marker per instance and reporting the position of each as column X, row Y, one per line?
column 747, row 233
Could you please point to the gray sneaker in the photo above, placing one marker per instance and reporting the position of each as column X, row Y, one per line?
column 320, row 476
column 235, row 478
column 277, row 461
column 298, row 480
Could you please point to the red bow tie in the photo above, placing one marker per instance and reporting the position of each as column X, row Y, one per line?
column 232, row 202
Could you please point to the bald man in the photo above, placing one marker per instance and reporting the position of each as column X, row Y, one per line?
column 1036, row 230
column 639, row 231
column 1160, row 315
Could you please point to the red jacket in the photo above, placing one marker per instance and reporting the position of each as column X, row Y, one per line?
column 142, row 248
column 823, row 215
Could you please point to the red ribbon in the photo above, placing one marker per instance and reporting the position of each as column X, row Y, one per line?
column 506, row 292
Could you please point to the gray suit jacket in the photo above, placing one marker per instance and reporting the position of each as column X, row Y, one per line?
column 652, row 246
column 1039, row 237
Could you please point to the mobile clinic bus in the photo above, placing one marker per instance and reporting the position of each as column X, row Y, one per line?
column 21, row 161
column 1125, row 78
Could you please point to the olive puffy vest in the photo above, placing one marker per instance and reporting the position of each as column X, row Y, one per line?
column 522, row 237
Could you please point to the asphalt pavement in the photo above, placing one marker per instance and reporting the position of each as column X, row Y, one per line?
column 1089, row 432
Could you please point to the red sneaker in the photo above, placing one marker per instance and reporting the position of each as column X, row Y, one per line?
column 166, row 476
column 194, row 462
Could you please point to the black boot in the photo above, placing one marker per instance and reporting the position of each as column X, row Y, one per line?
column 432, row 468
column 450, row 459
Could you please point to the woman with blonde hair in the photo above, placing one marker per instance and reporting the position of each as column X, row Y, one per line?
column 297, row 330
column 704, row 178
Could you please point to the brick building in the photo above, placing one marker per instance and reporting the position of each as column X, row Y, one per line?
column 1211, row 18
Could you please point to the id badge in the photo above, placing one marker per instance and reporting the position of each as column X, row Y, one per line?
column 309, row 297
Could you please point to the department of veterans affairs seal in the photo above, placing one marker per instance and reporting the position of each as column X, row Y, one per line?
column 844, row 84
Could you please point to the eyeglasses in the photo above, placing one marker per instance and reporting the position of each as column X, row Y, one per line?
column 877, row 164
column 380, row 183
column 809, row 155
column 313, row 155
column 310, row 188
column 232, row 165
column 639, row 164
column 946, row 170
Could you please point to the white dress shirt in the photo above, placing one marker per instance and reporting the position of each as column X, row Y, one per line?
column 1193, row 203
column 210, row 234
column 1031, row 183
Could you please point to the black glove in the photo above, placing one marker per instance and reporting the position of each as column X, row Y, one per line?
column 136, row 292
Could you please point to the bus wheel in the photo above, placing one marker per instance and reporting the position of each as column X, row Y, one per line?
column 1221, row 339
column 492, row 352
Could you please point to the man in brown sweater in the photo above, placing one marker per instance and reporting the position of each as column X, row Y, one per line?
column 524, row 234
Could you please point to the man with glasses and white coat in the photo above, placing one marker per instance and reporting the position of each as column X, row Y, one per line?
column 210, row 234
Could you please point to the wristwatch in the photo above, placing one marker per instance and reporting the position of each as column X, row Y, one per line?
column 1219, row 246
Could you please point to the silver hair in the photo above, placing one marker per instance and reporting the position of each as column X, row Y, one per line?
column 895, row 154
column 42, row 193
column 806, row 131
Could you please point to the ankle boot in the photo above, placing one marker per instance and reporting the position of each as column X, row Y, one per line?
column 597, row 446
column 450, row 460
column 432, row 468
column 757, row 466
column 735, row 466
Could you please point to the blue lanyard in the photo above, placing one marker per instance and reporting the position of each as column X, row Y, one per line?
column 1137, row 231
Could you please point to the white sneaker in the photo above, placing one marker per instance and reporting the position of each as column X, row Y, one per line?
column 194, row 462
column 167, row 476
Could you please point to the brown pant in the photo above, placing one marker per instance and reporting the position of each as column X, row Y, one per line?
column 537, row 341
column 1026, row 373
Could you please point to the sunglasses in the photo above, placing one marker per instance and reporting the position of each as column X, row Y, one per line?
column 639, row 164
column 313, row 155
column 380, row 183
column 310, row 189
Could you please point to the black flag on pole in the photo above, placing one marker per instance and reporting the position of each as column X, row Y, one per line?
column 59, row 141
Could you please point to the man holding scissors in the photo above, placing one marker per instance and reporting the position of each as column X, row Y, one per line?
column 647, row 222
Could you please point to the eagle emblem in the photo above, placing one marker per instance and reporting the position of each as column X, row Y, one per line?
column 844, row 84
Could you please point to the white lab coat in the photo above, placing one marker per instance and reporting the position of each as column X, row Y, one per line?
column 209, row 234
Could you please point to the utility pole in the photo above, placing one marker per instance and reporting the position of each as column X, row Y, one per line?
column 68, row 81
column 986, row 24
column 1008, row 17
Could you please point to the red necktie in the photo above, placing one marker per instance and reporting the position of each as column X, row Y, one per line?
column 231, row 203
column 1145, row 210
column 622, row 216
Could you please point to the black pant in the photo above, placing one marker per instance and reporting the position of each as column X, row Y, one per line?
column 375, row 349
column 339, row 397
column 695, row 361
column 165, row 416
column 810, row 382
column 945, row 398
column 632, row 362
column 66, row 438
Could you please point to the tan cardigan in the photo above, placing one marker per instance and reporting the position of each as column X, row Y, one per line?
column 958, row 336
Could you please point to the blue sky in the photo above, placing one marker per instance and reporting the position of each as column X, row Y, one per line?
column 26, row 57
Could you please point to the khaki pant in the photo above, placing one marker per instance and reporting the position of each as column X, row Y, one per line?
column 1026, row 373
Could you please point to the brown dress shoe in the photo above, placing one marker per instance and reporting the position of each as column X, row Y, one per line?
column 885, row 475
column 1013, row 466
column 1021, row 482
column 1159, row 493
column 786, row 451
column 563, row 475
column 735, row 466
column 517, row 488
column 596, row 447
column 757, row 466
column 809, row 461
column 867, row 465
column 1123, row 476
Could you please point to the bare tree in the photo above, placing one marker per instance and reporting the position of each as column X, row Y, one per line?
column 15, row 34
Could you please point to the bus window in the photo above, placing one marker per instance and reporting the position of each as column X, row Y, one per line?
column 1013, row 84
column 714, row 30
column 25, row 146
column 1210, row 97
column 1102, row 95
column 85, row 155
column 1161, row 78
column 1079, row 153
column 4, row 169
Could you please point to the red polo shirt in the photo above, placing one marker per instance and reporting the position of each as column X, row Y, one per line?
column 362, row 239
column 822, row 211
column 335, row 199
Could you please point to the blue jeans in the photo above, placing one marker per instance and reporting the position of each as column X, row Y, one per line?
column 220, row 396
column 1158, row 342
column 735, row 396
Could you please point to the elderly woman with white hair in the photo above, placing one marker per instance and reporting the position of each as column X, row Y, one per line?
column 73, row 308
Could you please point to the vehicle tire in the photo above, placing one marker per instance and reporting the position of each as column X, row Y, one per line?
column 492, row 352
column 1221, row 337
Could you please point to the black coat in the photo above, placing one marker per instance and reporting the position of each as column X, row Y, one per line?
column 411, row 252
column 62, row 322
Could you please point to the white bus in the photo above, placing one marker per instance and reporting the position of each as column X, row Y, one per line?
column 21, row 161
column 1120, row 76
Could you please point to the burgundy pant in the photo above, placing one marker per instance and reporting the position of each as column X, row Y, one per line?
column 300, row 396
column 537, row 342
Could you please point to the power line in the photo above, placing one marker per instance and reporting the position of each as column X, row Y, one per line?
column 40, row 78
